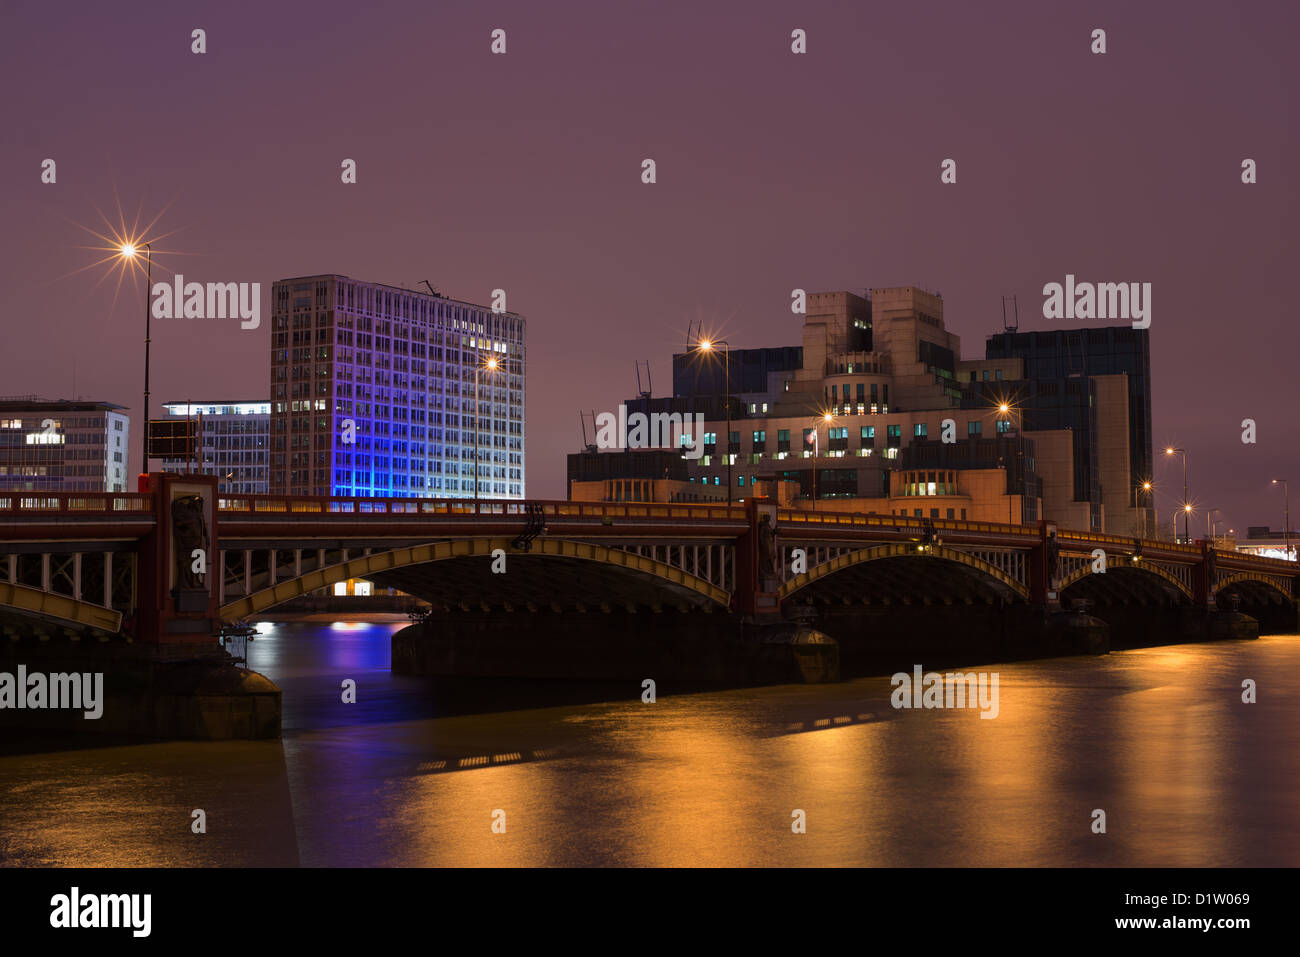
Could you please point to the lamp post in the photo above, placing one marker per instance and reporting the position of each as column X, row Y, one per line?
column 1209, row 529
column 1186, row 507
column 491, row 366
column 128, row 251
column 826, row 417
column 1006, row 410
column 1286, row 514
column 708, row 345
column 1151, row 500
column 1187, row 517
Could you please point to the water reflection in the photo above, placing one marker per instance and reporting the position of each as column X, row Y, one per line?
column 413, row 772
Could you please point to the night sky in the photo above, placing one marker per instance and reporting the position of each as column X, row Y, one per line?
column 775, row 171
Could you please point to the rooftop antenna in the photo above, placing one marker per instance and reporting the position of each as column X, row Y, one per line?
column 693, row 331
column 582, row 421
column 433, row 290
column 649, row 389
column 1015, row 311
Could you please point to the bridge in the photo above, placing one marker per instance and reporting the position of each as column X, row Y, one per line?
column 168, row 567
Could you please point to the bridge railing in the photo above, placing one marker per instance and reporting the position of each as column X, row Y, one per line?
column 1091, row 540
column 873, row 520
column 235, row 505
column 80, row 503
column 1257, row 561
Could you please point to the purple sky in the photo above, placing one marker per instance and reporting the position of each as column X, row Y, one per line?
column 774, row 171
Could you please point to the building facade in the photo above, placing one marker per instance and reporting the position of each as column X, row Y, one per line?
column 383, row 391
column 877, row 411
column 234, row 440
column 63, row 446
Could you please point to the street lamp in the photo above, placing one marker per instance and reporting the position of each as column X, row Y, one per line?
column 826, row 417
column 1007, row 410
column 129, row 251
column 491, row 366
column 1151, row 501
column 1209, row 529
column 1186, row 507
column 1187, row 516
column 708, row 345
column 1286, row 514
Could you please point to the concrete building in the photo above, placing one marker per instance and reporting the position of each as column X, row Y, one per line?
column 63, row 446
column 877, row 411
column 373, row 393
column 234, row 443
column 636, row 475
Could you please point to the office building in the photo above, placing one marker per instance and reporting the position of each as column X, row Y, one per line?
column 63, row 446
column 876, row 411
column 383, row 391
column 234, row 443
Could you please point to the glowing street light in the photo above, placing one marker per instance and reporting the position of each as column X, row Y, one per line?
column 816, row 440
column 1007, row 410
column 707, row 346
column 1286, row 514
column 127, row 251
column 1187, row 535
column 1151, row 501
column 491, row 366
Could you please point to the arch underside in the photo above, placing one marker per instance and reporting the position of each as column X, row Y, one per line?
column 1124, row 585
column 555, row 574
column 899, row 574
column 1252, row 590
column 23, row 605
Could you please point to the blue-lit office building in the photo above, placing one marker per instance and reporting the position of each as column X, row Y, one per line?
column 378, row 390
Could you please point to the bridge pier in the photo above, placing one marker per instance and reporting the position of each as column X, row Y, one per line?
column 165, row 673
column 665, row 645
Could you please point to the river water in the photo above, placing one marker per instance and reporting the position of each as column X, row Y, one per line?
column 415, row 772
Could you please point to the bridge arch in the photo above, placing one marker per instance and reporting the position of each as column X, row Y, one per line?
column 1270, row 585
column 675, row 582
column 986, row 573
column 33, row 603
column 1084, row 572
column 1124, row 582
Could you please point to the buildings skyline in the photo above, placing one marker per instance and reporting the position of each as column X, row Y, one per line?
column 898, row 421
column 968, row 384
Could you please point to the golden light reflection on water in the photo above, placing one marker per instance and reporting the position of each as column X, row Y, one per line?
column 1158, row 738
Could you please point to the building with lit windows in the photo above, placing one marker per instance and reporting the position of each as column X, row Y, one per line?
column 234, row 443
column 63, row 446
column 878, row 412
column 382, row 391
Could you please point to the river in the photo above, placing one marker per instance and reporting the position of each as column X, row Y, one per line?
column 415, row 772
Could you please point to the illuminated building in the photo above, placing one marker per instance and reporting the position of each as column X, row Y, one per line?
column 373, row 393
column 63, row 446
column 878, row 412
column 234, row 443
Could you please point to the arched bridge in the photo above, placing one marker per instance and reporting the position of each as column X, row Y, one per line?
column 168, row 566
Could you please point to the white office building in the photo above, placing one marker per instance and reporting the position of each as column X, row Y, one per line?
column 234, row 443
column 63, row 446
